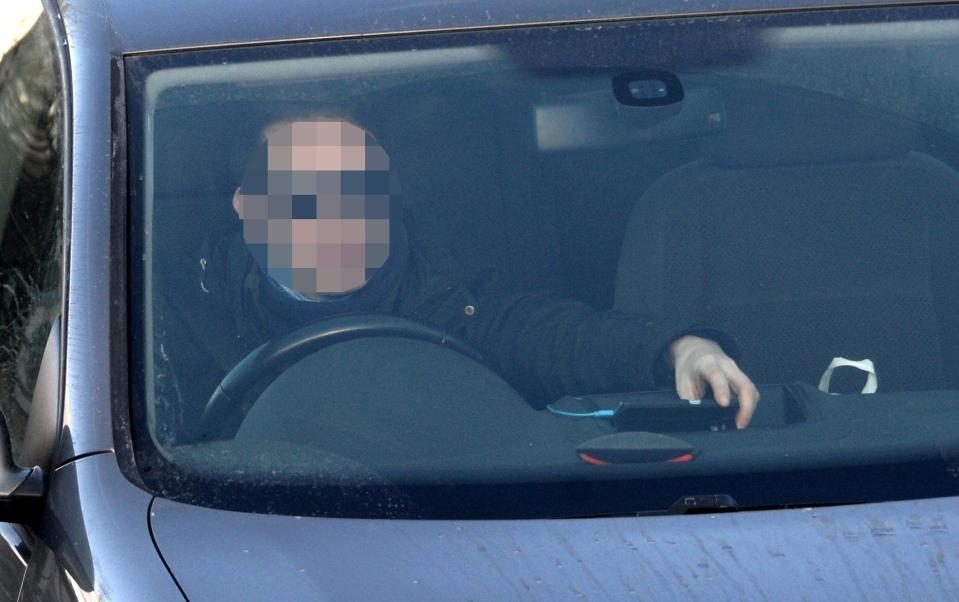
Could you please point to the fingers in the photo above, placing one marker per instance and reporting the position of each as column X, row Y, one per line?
column 746, row 393
column 688, row 387
column 720, row 385
column 724, row 380
column 701, row 363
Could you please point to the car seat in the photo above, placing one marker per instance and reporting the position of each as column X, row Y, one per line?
column 811, row 227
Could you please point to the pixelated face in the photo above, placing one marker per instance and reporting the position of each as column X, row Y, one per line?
column 316, row 206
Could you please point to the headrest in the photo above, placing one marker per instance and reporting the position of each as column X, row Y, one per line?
column 800, row 127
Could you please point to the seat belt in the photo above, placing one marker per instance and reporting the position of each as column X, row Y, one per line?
column 865, row 365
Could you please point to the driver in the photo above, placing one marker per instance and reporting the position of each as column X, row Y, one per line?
column 324, row 232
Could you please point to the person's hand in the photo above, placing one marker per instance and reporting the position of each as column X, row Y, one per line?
column 700, row 362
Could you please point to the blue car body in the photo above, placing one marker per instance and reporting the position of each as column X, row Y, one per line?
column 101, row 535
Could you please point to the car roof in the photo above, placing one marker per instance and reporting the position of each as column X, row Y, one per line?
column 142, row 26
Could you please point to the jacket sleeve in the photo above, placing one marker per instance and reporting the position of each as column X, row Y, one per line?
column 543, row 345
column 548, row 347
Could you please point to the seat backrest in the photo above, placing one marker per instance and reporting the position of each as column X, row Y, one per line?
column 810, row 229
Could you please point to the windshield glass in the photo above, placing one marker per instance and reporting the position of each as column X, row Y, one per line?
column 551, row 271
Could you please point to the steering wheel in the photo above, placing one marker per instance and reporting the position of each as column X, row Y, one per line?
column 244, row 383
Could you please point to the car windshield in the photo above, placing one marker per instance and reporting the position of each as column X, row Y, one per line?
column 537, row 271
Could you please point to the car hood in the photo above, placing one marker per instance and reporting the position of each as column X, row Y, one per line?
column 898, row 550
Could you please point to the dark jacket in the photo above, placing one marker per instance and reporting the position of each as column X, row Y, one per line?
column 544, row 346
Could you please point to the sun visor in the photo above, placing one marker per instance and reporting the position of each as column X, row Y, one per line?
column 597, row 119
column 768, row 128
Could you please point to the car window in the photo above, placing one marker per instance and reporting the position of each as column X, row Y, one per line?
column 31, row 180
column 519, row 273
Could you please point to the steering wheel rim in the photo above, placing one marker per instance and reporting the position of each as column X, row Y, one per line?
column 244, row 383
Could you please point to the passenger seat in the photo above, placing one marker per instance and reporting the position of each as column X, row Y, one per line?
column 810, row 228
